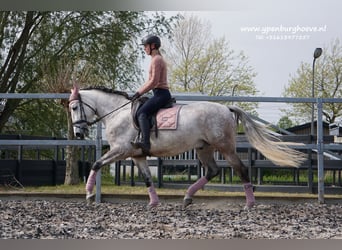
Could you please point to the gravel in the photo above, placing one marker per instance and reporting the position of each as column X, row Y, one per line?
column 66, row 219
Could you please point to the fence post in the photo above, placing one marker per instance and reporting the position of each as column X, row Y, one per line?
column 160, row 172
column 98, row 146
column 310, row 171
column 55, row 167
column 320, row 159
column 117, row 173
column 132, row 174
column 19, row 163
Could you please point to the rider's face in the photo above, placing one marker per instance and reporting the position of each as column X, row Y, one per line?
column 148, row 48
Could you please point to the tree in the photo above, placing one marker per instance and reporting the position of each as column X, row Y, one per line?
column 328, row 84
column 199, row 63
column 57, row 79
column 106, row 40
column 40, row 52
column 285, row 122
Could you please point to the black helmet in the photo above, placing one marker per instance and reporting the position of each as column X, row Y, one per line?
column 149, row 39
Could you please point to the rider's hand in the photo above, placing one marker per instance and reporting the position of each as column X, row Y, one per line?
column 135, row 96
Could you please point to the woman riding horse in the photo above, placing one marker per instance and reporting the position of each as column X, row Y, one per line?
column 157, row 82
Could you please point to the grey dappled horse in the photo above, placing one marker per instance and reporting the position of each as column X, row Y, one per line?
column 205, row 126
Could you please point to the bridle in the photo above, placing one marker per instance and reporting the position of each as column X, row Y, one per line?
column 84, row 116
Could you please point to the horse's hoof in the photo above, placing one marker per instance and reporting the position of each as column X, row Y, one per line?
column 90, row 198
column 248, row 206
column 152, row 205
column 187, row 202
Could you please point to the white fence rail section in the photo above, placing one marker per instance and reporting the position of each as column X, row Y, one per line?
column 319, row 147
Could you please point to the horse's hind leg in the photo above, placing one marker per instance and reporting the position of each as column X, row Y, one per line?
column 206, row 157
column 242, row 171
column 145, row 171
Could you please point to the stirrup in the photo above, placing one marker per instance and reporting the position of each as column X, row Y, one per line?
column 135, row 144
column 145, row 148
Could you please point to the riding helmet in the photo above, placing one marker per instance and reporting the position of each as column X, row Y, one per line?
column 150, row 39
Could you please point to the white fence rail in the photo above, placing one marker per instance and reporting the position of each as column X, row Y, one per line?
column 319, row 146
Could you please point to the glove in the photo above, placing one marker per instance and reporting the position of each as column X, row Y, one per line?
column 135, row 96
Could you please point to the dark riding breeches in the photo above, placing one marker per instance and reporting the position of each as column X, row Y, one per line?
column 160, row 98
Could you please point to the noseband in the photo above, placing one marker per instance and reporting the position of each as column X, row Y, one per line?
column 83, row 114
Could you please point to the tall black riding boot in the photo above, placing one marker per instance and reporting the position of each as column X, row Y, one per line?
column 144, row 144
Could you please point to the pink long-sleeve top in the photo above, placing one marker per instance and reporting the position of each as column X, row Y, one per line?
column 157, row 75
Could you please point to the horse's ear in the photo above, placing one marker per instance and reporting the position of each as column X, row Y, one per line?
column 76, row 86
column 74, row 93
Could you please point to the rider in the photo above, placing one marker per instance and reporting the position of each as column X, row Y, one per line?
column 157, row 82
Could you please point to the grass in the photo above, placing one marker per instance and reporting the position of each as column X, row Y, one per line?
column 108, row 187
column 141, row 190
column 105, row 189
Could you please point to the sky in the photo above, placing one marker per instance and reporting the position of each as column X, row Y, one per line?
column 277, row 36
column 291, row 38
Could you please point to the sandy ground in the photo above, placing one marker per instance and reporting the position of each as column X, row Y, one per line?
column 38, row 218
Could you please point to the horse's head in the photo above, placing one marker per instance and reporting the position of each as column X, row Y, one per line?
column 80, row 113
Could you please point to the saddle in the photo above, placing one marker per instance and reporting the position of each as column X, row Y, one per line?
column 153, row 119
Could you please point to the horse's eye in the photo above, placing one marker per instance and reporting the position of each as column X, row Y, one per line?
column 74, row 108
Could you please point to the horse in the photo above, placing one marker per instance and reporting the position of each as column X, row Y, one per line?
column 204, row 126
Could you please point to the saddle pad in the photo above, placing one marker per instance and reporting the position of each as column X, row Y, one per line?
column 168, row 118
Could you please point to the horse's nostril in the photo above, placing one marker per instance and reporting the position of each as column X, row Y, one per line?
column 78, row 135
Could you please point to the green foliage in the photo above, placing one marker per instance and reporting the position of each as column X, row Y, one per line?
column 202, row 64
column 34, row 44
column 285, row 122
column 327, row 84
column 38, row 117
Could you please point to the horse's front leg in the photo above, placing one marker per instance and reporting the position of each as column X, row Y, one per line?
column 111, row 156
column 145, row 171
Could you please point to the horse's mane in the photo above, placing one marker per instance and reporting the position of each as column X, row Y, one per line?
column 107, row 90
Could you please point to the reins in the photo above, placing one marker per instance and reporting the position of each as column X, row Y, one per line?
column 111, row 112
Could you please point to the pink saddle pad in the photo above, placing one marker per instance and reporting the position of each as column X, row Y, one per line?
column 168, row 118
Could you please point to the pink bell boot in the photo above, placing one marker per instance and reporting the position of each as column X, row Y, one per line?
column 154, row 200
column 90, row 184
column 192, row 190
column 250, row 199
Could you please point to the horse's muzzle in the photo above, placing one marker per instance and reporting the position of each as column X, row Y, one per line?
column 79, row 135
column 81, row 132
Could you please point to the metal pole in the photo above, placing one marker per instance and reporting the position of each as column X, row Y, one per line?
column 320, row 145
column 98, row 156
column 313, row 95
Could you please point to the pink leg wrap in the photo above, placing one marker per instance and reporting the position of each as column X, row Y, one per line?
column 250, row 200
column 154, row 200
column 91, row 181
column 196, row 186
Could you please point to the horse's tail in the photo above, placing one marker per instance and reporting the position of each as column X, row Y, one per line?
column 269, row 145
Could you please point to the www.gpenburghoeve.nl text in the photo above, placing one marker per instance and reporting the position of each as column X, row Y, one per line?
column 282, row 32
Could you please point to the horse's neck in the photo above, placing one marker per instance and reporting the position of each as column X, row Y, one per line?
column 104, row 103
